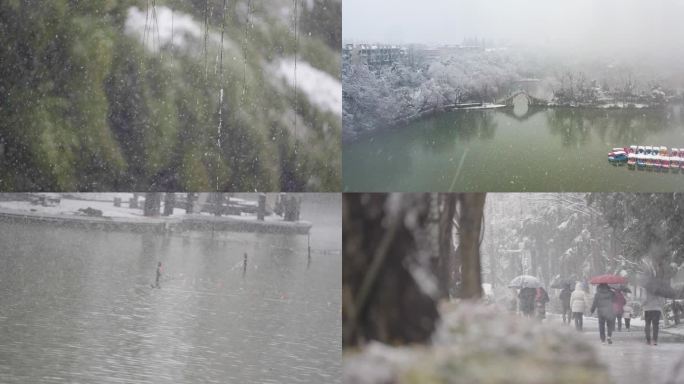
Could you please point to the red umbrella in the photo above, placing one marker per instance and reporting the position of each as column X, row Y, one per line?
column 608, row 279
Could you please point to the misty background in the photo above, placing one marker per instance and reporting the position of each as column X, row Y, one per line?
column 612, row 26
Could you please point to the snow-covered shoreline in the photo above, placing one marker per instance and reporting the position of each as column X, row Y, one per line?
column 123, row 218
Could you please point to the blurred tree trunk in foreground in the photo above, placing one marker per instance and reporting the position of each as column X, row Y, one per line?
column 470, row 226
column 444, row 270
column 388, row 288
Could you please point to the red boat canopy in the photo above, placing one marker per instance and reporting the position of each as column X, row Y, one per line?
column 608, row 279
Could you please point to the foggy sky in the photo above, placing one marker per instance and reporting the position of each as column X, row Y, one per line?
column 655, row 25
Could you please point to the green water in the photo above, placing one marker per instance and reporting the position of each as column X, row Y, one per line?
column 561, row 149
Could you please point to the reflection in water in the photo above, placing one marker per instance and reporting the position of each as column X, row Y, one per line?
column 520, row 106
column 546, row 149
column 76, row 305
column 576, row 126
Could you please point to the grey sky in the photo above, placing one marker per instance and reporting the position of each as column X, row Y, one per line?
column 619, row 24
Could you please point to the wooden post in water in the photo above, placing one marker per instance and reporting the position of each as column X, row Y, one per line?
column 190, row 203
column 133, row 201
column 169, row 203
column 152, row 204
column 262, row 207
column 308, row 245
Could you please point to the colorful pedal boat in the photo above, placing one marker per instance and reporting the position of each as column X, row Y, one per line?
column 649, row 156
column 617, row 156
column 631, row 159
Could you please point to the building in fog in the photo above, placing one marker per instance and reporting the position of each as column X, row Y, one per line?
column 373, row 54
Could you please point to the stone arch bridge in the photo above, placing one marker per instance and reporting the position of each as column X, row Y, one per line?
column 531, row 100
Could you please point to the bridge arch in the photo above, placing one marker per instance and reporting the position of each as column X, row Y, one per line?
column 531, row 100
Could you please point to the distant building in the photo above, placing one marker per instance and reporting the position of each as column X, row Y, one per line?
column 373, row 54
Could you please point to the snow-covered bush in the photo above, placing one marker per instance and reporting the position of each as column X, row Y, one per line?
column 480, row 344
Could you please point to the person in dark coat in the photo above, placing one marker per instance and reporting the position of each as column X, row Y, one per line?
column 159, row 273
column 526, row 297
column 564, row 297
column 603, row 302
column 540, row 300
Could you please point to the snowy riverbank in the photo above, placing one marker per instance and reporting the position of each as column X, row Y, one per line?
column 69, row 212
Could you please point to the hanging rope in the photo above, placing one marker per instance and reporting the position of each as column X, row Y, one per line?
column 172, row 45
column 220, row 126
column 296, row 38
column 155, row 20
column 147, row 20
column 244, row 49
column 206, row 34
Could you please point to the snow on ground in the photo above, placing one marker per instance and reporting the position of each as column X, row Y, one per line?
column 629, row 359
column 322, row 89
column 485, row 106
column 624, row 105
column 95, row 196
column 70, row 207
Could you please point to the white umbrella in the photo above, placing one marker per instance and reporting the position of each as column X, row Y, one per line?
column 525, row 281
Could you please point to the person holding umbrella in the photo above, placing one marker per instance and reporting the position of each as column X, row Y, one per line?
column 540, row 300
column 603, row 302
column 526, row 299
column 528, row 291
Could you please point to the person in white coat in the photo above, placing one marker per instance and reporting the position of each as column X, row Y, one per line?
column 652, row 306
column 578, row 304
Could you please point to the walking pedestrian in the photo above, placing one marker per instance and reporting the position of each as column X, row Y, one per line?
column 564, row 297
column 159, row 273
column 652, row 306
column 540, row 300
column 526, row 301
column 627, row 311
column 618, row 305
column 603, row 304
column 578, row 304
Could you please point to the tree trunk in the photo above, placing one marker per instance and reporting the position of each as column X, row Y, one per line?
column 470, row 225
column 444, row 268
column 382, row 238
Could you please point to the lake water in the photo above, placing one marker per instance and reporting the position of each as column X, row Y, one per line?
column 561, row 149
column 77, row 306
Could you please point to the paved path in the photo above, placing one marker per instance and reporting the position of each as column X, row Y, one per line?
column 631, row 360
